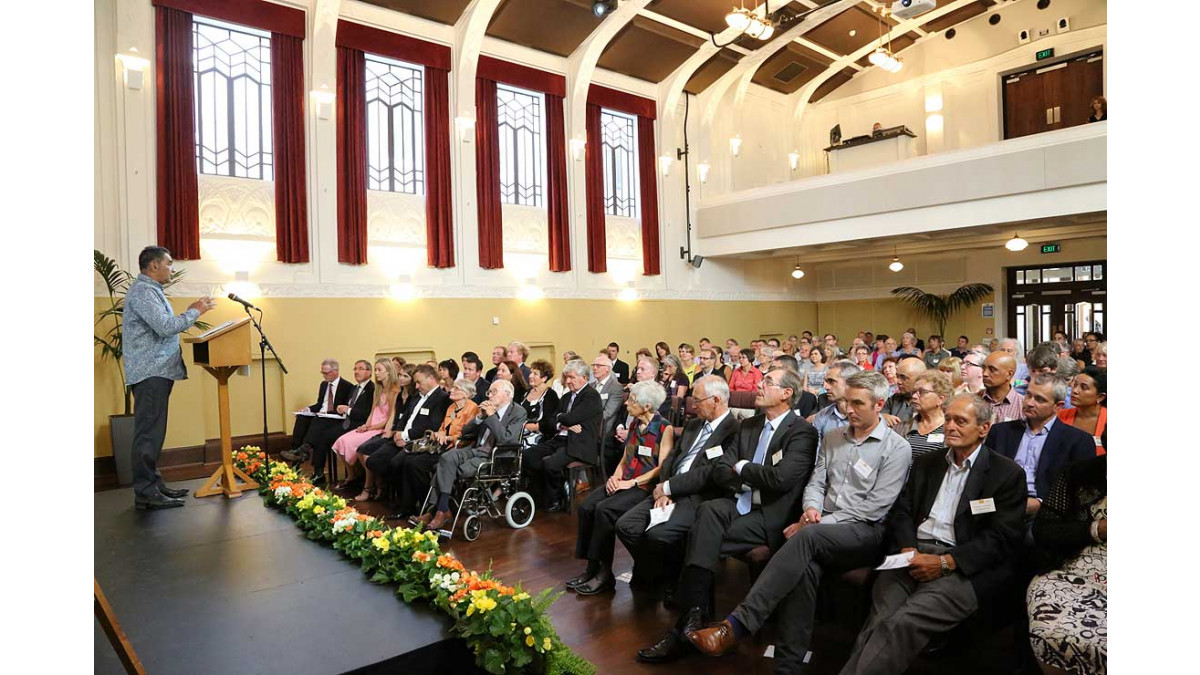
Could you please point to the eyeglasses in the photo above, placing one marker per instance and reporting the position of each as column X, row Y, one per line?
column 921, row 392
column 768, row 382
column 698, row 401
column 972, row 363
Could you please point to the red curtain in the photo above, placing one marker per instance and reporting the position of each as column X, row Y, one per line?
column 597, row 251
column 439, row 221
column 648, row 175
column 178, row 198
column 291, row 175
column 352, row 156
column 559, row 215
column 487, row 176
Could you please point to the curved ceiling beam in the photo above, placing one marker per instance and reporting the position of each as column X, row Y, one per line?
column 469, row 31
column 804, row 94
column 581, row 64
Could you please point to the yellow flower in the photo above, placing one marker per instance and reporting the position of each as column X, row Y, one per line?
column 318, row 509
column 431, row 535
column 546, row 643
column 528, row 630
column 382, row 544
column 521, row 596
column 529, row 641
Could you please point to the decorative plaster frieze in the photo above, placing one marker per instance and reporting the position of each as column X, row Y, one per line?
column 236, row 206
column 395, row 218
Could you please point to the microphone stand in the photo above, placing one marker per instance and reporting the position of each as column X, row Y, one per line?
column 263, row 345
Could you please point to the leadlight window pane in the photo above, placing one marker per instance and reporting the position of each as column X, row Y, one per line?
column 619, row 148
column 232, row 71
column 522, row 150
column 1021, row 278
column 1053, row 275
column 395, row 126
column 1033, row 276
column 1097, row 272
column 1083, row 273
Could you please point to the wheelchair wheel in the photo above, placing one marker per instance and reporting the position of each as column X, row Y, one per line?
column 518, row 511
column 472, row 527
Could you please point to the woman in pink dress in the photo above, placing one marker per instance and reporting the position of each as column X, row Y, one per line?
column 386, row 388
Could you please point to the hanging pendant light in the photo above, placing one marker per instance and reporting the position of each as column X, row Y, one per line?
column 1016, row 243
column 797, row 273
column 896, row 265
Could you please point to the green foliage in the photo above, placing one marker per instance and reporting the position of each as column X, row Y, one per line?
column 939, row 308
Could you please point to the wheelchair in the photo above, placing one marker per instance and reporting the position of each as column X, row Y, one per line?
column 473, row 497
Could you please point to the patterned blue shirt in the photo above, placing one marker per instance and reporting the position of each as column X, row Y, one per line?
column 151, row 348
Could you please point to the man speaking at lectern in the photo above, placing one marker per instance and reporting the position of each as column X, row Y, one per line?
column 153, row 361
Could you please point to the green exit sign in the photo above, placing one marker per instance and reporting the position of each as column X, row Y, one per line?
column 1051, row 248
column 1045, row 54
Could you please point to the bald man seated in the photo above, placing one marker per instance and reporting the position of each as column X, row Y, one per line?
column 999, row 369
column 899, row 407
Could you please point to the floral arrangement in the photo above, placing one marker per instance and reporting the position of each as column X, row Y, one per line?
column 507, row 628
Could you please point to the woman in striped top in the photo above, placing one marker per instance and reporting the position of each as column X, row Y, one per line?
column 926, row 433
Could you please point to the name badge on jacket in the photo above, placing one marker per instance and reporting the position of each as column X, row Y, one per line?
column 980, row 506
column 937, row 438
column 777, row 457
column 603, row 397
column 714, row 452
column 424, row 411
column 863, row 468
column 645, row 451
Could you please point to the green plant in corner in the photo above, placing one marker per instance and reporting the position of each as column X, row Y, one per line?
column 116, row 282
column 939, row 308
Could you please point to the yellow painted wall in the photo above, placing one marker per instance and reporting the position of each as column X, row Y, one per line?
column 307, row 330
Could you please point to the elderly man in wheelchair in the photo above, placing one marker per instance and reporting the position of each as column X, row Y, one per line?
column 493, row 462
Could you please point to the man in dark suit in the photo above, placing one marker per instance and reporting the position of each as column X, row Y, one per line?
column 707, row 365
column 499, row 422
column 765, row 471
column 425, row 411
column 684, row 482
column 579, row 422
column 334, row 391
column 859, row 473
column 1039, row 443
column 960, row 517
column 612, row 399
column 499, row 353
column 322, row 434
column 619, row 367
column 472, row 371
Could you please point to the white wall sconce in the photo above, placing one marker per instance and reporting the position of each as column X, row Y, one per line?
column 664, row 164
column 134, row 68
column 578, row 145
column 323, row 99
column 794, row 159
column 702, row 170
column 466, row 129
column 735, row 145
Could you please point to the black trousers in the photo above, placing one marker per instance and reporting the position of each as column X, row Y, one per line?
column 321, row 438
column 300, row 429
column 719, row 532
column 151, row 397
column 415, row 476
column 545, row 466
column 598, row 517
column 658, row 552
column 790, row 582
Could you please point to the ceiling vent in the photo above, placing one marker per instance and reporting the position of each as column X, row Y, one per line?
column 789, row 72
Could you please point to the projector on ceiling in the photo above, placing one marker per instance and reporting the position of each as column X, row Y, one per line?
column 907, row 9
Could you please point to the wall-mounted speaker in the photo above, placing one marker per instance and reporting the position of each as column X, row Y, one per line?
column 1023, row 36
column 1063, row 25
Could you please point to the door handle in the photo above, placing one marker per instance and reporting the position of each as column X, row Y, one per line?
column 1057, row 114
column 1049, row 116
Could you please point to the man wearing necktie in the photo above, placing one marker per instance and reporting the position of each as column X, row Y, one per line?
column 684, row 482
column 859, row 473
column 577, row 439
column 764, row 472
column 324, row 431
column 334, row 391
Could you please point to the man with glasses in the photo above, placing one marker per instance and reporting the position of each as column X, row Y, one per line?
column 808, row 401
column 972, row 373
column 833, row 416
column 605, row 383
column 763, row 472
column 324, row 431
column 333, row 392
column 899, row 408
column 708, row 365
column 579, row 422
column 859, row 473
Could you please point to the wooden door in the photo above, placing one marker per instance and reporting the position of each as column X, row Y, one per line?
column 1024, row 105
column 1052, row 97
column 1056, row 87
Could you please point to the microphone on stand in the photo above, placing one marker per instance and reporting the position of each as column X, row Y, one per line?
column 235, row 298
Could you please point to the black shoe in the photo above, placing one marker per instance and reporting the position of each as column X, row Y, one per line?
column 670, row 648
column 317, row 479
column 694, row 620
column 557, row 505
column 297, row 456
column 604, row 581
column 156, row 501
column 173, row 493
column 588, row 575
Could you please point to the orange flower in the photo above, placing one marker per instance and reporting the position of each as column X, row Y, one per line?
column 421, row 556
column 375, row 534
column 360, row 516
column 242, row 456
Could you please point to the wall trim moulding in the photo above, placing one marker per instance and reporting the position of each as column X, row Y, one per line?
column 192, row 290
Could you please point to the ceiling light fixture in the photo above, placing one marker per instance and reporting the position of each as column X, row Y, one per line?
column 759, row 23
column 1016, row 243
column 883, row 56
column 602, row 8
column 797, row 273
column 896, row 265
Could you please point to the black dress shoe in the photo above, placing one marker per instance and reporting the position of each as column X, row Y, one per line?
column 294, row 456
column 317, row 480
column 156, row 501
column 693, row 621
column 173, row 492
column 557, row 505
column 588, row 575
column 602, row 583
column 670, row 648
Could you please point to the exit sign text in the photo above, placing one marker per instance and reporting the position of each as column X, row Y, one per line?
column 1051, row 248
column 1044, row 54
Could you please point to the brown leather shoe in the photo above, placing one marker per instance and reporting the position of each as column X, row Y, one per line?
column 422, row 519
column 439, row 519
column 715, row 640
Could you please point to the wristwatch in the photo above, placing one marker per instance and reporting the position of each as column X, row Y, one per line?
column 946, row 571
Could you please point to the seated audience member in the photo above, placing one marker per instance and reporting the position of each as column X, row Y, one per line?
column 357, row 410
column 1089, row 391
column 832, row 349
column 888, row 369
column 673, row 377
column 333, row 392
column 611, row 393
column 745, row 377
column 934, row 355
column 387, row 388
column 1013, row 348
column 619, row 367
column 952, row 367
column 964, row 346
column 859, row 473
column 1100, row 355
column 765, row 356
column 1068, row 606
column 1080, row 352
column 424, row 413
column 972, row 374
column 1067, row 367
column 803, row 361
column 815, row 377
column 462, row 409
column 1038, row 442
column 646, row 370
column 447, row 373
column 732, row 350
column 1099, row 107
column 466, row 356
column 684, row 482
column 1042, row 359
column 920, row 344
column 578, row 425
column 510, row 371
column 721, row 369
column 833, row 415
column 540, row 404
column 926, row 432
column 889, row 347
column 499, row 422
column 899, row 407
column 765, row 470
column 687, row 357
column 649, row 441
column 399, row 362
column 998, row 371
column 518, row 353
column 661, row 350
column 472, row 371
column 643, row 351
column 808, row 402
column 961, row 556
column 559, row 387
column 499, row 353
column 709, row 365
column 862, row 357
column 908, row 346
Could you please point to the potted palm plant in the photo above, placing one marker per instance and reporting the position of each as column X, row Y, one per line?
column 939, row 308
column 116, row 282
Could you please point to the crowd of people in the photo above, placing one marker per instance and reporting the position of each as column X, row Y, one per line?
column 979, row 471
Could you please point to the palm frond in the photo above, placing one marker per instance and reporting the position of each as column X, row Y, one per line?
column 966, row 296
column 929, row 304
column 116, row 280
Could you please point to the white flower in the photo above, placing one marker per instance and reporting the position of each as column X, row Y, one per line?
column 283, row 492
column 344, row 524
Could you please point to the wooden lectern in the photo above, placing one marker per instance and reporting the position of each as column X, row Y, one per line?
column 221, row 351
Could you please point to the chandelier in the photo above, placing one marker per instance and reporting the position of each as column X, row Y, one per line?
column 883, row 55
column 748, row 23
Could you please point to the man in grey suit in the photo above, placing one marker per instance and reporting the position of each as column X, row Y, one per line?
column 610, row 390
column 499, row 423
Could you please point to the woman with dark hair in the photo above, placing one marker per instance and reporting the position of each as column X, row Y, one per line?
column 661, row 350
column 1068, row 606
column 1089, row 395
column 447, row 373
column 1099, row 109
column 746, row 377
column 540, row 404
column 509, row 370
